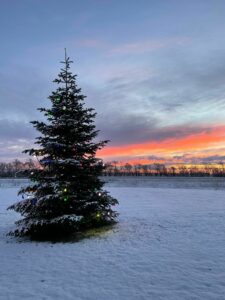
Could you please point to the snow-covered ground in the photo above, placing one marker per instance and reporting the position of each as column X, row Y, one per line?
column 169, row 244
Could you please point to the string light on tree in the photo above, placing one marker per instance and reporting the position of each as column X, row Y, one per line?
column 57, row 99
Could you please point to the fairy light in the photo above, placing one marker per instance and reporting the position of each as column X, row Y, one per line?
column 57, row 99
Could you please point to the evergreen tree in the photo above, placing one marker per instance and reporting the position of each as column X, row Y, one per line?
column 66, row 194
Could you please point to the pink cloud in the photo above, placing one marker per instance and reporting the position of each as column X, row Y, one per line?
column 147, row 46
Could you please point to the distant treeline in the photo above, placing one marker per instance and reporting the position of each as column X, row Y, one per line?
column 157, row 169
column 18, row 169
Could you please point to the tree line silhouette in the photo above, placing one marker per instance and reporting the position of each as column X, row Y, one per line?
column 18, row 169
column 158, row 169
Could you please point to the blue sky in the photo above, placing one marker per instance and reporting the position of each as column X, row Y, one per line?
column 154, row 70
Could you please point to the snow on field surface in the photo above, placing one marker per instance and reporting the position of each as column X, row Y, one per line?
column 169, row 244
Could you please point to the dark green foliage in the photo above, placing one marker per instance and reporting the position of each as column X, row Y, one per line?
column 66, row 193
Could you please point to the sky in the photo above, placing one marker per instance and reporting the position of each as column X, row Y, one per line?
column 153, row 70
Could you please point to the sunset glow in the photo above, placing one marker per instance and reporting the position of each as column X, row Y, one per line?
column 153, row 72
column 206, row 143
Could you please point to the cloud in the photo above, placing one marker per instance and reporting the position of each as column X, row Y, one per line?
column 15, row 130
column 167, row 96
column 133, row 48
column 141, row 47
column 198, row 160
column 177, row 92
column 213, row 159
column 22, row 90
column 90, row 43
column 173, row 144
column 12, row 149
column 15, row 136
column 125, row 129
column 169, row 161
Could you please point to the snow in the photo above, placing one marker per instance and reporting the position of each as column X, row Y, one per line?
column 168, row 244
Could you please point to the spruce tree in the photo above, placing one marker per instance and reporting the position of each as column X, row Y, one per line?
column 66, row 194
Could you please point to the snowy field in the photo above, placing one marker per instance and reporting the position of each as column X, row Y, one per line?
column 169, row 244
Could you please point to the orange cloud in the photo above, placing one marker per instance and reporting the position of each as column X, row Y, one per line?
column 211, row 141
